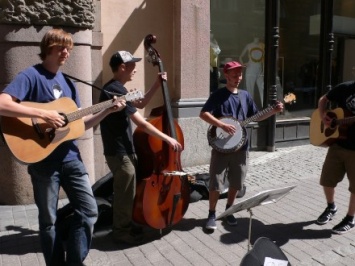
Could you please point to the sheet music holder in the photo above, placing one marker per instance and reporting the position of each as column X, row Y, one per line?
column 262, row 198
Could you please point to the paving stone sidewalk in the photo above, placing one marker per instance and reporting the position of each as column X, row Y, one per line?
column 289, row 222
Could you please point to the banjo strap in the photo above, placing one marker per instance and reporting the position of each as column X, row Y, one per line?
column 240, row 111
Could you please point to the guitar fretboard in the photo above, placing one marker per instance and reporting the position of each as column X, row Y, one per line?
column 134, row 95
column 90, row 110
column 346, row 121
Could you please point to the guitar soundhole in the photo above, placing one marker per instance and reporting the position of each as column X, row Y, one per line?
column 65, row 119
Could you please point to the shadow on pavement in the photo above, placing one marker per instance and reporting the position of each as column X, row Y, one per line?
column 23, row 242
column 279, row 233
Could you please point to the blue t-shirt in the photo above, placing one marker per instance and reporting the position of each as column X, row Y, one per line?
column 36, row 84
column 343, row 95
column 225, row 103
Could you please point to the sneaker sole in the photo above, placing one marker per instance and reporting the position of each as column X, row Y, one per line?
column 211, row 227
column 322, row 223
column 331, row 218
column 342, row 232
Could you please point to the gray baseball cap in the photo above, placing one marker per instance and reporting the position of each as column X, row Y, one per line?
column 121, row 57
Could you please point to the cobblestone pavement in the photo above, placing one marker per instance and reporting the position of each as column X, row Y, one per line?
column 289, row 222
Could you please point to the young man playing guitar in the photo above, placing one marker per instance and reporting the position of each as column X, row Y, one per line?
column 44, row 83
column 340, row 157
column 230, row 101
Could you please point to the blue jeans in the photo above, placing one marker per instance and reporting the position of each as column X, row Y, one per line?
column 47, row 177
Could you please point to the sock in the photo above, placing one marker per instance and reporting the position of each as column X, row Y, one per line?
column 211, row 213
column 332, row 206
column 349, row 218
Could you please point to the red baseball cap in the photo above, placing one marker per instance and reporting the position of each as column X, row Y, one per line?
column 231, row 65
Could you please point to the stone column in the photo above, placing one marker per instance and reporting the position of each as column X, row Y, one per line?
column 22, row 26
column 101, row 167
column 192, row 39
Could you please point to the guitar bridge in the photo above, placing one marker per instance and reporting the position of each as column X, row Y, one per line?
column 50, row 132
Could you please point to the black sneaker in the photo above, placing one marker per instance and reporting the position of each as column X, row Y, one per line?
column 211, row 222
column 344, row 226
column 231, row 220
column 327, row 215
column 130, row 239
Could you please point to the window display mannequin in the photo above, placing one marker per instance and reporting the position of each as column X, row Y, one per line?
column 214, row 73
column 254, row 74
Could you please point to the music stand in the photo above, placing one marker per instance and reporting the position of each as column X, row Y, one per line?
column 262, row 198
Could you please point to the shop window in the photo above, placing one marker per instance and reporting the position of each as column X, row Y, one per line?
column 299, row 47
column 344, row 43
column 238, row 28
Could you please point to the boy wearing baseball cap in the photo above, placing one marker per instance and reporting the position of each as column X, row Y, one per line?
column 230, row 101
column 119, row 151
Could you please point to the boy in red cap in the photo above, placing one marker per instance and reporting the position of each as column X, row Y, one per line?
column 230, row 101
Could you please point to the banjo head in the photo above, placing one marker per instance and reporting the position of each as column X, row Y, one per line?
column 222, row 141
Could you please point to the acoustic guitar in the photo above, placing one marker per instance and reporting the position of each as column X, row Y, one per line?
column 31, row 140
column 225, row 143
column 320, row 135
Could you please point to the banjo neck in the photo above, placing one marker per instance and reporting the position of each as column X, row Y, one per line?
column 289, row 98
column 256, row 116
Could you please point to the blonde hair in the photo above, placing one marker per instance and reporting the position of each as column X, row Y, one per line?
column 55, row 37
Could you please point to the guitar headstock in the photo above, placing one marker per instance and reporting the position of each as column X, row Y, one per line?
column 290, row 98
column 133, row 96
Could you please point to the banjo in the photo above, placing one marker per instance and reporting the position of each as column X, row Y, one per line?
column 223, row 142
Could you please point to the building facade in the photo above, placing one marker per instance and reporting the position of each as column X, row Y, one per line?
column 298, row 48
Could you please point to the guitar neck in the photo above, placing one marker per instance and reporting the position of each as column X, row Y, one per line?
column 90, row 110
column 257, row 116
column 346, row 121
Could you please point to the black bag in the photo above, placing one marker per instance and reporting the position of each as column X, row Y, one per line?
column 200, row 188
column 103, row 193
column 263, row 248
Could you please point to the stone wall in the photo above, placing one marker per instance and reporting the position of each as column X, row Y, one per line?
column 78, row 14
column 22, row 26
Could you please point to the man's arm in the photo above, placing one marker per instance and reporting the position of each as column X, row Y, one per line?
column 11, row 108
column 93, row 119
column 209, row 118
column 149, row 94
column 138, row 119
column 322, row 105
column 322, row 108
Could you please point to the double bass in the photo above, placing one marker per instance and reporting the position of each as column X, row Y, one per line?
column 163, row 191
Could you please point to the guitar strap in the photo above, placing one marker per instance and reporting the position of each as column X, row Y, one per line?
column 71, row 86
column 82, row 81
column 89, row 84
